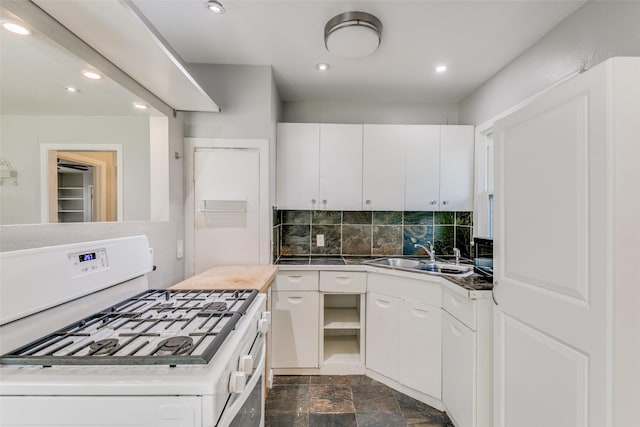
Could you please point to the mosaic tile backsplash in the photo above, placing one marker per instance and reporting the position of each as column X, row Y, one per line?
column 371, row 233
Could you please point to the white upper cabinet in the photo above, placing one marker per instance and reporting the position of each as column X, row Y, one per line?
column 340, row 167
column 456, row 168
column 383, row 167
column 319, row 166
column 422, row 163
column 298, row 153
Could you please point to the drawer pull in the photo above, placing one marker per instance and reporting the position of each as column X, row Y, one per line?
column 343, row 280
column 455, row 331
column 382, row 303
column 420, row 313
column 294, row 300
column 294, row 279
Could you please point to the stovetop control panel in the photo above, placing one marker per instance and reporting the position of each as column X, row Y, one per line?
column 88, row 261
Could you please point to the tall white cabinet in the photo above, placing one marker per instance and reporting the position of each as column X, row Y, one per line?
column 566, row 333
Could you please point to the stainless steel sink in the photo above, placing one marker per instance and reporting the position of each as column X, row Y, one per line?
column 420, row 266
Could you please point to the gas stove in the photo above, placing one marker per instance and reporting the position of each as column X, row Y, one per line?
column 154, row 327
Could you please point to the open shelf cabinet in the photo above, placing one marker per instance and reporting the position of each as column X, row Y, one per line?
column 342, row 331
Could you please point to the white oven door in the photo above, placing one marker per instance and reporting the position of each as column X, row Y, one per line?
column 246, row 409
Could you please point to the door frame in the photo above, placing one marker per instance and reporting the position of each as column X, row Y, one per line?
column 45, row 173
column 264, row 235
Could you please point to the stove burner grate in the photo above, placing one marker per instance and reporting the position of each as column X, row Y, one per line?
column 138, row 327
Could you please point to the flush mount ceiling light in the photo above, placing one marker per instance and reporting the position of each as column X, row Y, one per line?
column 91, row 75
column 353, row 34
column 323, row 66
column 15, row 28
column 215, row 6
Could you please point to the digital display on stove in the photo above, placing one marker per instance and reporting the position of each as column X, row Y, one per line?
column 87, row 257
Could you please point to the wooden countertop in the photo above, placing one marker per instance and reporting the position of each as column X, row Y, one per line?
column 232, row 277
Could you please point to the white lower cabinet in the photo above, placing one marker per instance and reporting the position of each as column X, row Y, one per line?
column 458, row 370
column 467, row 360
column 294, row 317
column 403, row 332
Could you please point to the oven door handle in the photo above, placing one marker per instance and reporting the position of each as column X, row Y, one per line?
column 230, row 412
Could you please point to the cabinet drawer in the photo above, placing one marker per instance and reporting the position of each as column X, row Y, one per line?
column 463, row 309
column 296, row 281
column 339, row 282
column 402, row 287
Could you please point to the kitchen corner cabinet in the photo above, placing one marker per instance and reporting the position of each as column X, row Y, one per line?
column 295, row 319
column 319, row 166
column 404, row 332
column 342, row 320
column 467, row 338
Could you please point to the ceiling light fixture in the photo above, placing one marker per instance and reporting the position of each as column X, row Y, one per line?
column 215, row 6
column 441, row 68
column 322, row 66
column 71, row 89
column 15, row 28
column 140, row 105
column 353, row 34
column 91, row 75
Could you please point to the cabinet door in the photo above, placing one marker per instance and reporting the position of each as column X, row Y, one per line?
column 382, row 344
column 422, row 164
column 383, row 167
column 458, row 373
column 297, row 169
column 420, row 340
column 456, row 168
column 294, row 329
column 340, row 167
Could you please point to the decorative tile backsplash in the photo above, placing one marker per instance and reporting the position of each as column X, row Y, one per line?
column 370, row 233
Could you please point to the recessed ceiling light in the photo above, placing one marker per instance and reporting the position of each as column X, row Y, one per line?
column 322, row 66
column 140, row 105
column 91, row 75
column 16, row 28
column 215, row 6
column 441, row 68
column 71, row 89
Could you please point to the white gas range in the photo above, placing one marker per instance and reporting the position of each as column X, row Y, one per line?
column 99, row 349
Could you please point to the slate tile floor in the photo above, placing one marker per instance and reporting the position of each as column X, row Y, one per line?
column 344, row 401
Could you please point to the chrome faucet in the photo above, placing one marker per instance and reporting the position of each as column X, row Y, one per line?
column 430, row 251
column 456, row 252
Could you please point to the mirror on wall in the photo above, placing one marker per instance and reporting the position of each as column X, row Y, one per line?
column 80, row 144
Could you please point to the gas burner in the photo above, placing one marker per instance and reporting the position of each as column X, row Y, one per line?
column 175, row 345
column 103, row 347
column 214, row 307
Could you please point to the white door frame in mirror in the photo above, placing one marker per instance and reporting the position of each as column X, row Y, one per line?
column 44, row 172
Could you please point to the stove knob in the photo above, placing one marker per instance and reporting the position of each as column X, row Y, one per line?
column 237, row 382
column 246, row 364
column 264, row 322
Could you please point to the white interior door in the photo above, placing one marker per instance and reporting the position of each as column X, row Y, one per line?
column 226, row 207
column 550, row 348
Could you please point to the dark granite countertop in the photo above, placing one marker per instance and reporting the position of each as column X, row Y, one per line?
column 474, row 282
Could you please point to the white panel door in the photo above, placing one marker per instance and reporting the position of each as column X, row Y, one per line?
column 340, row 167
column 383, row 167
column 383, row 339
column 295, row 330
column 422, row 168
column 297, row 158
column 456, row 168
column 226, row 207
column 551, row 321
column 420, row 343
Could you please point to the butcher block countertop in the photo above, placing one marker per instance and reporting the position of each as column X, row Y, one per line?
column 232, row 277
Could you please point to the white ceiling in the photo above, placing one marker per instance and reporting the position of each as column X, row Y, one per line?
column 475, row 39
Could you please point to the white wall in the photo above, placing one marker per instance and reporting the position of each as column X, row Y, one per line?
column 345, row 112
column 593, row 33
column 162, row 235
column 21, row 137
